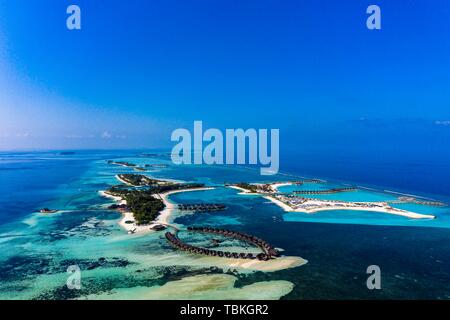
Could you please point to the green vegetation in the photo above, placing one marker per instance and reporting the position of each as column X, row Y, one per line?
column 121, row 163
column 143, row 204
column 138, row 180
column 176, row 186
column 248, row 186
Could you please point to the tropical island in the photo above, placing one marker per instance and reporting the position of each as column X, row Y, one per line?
column 253, row 188
column 122, row 163
column 143, row 201
column 156, row 165
column 294, row 203
column 138, row 180
column 146, row 205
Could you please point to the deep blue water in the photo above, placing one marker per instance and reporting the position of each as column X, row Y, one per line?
column 28, row 181
column 414, row 260
column 425, row 174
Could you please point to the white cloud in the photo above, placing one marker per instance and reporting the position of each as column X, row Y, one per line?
column 442, row 123
column 106, row 135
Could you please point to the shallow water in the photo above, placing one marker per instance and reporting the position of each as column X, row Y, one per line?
column 36, row 249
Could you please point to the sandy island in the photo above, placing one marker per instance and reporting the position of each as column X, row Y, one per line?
column 279, row 263
column 244, row 191
column 274, row 187
column 272, row 265
column 316, row 205
column 163, row 218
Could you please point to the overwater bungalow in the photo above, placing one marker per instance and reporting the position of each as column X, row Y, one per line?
column 328, row 191
column 268, row 251
column 262, row 257
column 313, row 181
column 202, row 207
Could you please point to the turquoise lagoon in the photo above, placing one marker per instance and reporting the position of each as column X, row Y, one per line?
column 36, row 249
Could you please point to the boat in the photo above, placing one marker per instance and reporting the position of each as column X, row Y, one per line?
column 47, row 210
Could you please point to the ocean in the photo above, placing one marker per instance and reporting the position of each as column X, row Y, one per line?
column 36, row 249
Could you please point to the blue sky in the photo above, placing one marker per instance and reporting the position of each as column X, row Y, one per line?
column 139, row 69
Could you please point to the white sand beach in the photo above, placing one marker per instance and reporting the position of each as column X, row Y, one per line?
column 277, row 185
column 133, row 227
column 164, row 217
column 272, row 265
column 274, row 187
column 123, row 181
column 279, row 203
column 107, row 195
column 244, row 191
column 315, row 205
